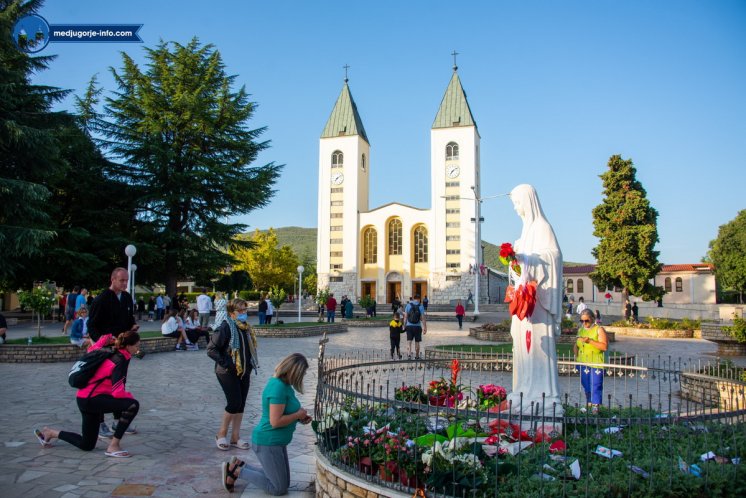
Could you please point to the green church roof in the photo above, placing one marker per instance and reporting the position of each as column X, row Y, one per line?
column 454, row 109
column 345, row 119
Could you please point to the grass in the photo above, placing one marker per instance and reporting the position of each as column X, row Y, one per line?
column 292, row 325
column 63, row 339
column 562, row 349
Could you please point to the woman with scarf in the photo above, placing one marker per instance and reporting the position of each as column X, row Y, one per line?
column 233, row 347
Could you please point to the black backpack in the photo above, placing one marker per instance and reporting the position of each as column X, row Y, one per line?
column 85, row 368
column 414, row 315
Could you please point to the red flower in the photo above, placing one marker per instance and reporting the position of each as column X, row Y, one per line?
column 506, row 250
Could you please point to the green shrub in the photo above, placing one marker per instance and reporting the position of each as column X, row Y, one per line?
column 737, row 330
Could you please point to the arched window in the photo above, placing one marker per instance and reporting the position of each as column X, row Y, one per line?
column 679, row 285
column 362, row 162
column 667, row 284
column 370, row 246
column 395, row 241
column 338, row 159
column 570, row 287
column 420, row 244
column 451, row 151
column 580, row 285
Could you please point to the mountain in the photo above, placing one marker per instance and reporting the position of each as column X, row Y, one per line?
column 303, row 242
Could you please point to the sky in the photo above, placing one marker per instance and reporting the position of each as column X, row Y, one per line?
column 556, row 88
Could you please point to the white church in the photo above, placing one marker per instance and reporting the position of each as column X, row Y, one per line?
column 396, row 249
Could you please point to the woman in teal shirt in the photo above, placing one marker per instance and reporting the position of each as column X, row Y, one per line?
column 281, row 411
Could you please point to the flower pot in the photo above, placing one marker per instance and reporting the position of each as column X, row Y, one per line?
column 367, row 466
column 409, row 481
column 441, row 400
column 389, row 472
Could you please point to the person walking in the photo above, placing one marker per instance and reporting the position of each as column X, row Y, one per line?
column 105, row 393
column 460, row 312
column 151, row 309
column 140, row 308
column 395, row 304
column 233, row 348
column 416, row 325
column 220, row 313
column 581, row 306
column 262, row 308
column 270, row 310
column 72, row 297
column 281, row 411
column 627, row 310
column 204, row 308
column 331, row 308
column 395, row 332
column 635, row 312
column 470, row 298
column 160, row 307
column 589, row 350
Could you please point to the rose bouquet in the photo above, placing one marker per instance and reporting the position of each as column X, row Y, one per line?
column 490, row 395
column 508, row 258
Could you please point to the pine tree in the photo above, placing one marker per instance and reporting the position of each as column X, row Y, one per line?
column 29, row 151
column 626, row 225
column 182, row 135
column 728, row 254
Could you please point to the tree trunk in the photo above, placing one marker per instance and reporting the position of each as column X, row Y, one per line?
column 625, row 296
column 38, row 324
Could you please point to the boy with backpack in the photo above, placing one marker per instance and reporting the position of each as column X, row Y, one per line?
column 416, row 325
column 395, row 332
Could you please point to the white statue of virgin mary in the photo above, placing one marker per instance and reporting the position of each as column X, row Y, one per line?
column 535, row 361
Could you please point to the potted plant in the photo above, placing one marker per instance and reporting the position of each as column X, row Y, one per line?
column 386, row 452
column 411, row 394
column 490, row 396
column 444, row 393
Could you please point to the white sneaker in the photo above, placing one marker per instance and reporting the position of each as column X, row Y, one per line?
column 192, row 347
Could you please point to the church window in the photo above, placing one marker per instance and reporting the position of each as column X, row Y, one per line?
column 580, row 285
column 453, row 237
column 337, row 203
column 336, row 228
column 453, row 265
column 453, row 211
column 337, row 190
column 453, row 277
column 395, row 236
column 370, row 246
column 453, row 184
column 453, row 224
column 334, row 254
column 337, row 215
column 667, row 284
column 337, row 159
column 453, row 251
column 420, row 244
column 451, row 151
column 362, row 162
column 679, row 284
column 570, row 286
column 335, row 241
column 336, row 279
column 452, row 198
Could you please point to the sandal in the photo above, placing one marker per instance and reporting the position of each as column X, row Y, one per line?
column 228, row 469
column 241, row 444
column 222, row 443
column 42, row 441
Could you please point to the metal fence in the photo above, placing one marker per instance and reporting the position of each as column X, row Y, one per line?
column 667, row 427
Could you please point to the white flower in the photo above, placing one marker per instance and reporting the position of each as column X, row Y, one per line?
column 470, row 459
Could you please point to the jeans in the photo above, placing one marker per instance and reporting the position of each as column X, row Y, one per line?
column 274, row 474
column 262, row 317
column 593, row 383
column 330, row 316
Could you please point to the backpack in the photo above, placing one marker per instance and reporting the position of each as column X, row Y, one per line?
column 414, row 315
column 85, row 368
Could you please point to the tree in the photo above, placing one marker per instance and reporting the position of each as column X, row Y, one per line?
column 29, row 151
column 626, row 225
column 267, row 264
column 39, row 300
column 182, row 135
column 234, row 281
column 728, row 254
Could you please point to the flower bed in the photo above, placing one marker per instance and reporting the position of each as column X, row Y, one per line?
column 397, row 439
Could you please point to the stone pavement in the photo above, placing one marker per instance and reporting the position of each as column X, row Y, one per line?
column 180, row 406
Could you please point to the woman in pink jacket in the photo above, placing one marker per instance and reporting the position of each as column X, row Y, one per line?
column 105, row 393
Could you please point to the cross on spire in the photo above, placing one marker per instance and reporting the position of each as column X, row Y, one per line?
column 346, row 67
column 454, row 54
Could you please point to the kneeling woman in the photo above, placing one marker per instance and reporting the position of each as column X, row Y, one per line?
column 105, row 393
column 280, row 412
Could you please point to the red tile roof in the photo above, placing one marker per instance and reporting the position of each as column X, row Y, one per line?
column 698, row 267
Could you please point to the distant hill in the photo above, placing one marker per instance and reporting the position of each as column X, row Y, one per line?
column 303, row 242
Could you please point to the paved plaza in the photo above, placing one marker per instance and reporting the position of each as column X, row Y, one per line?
column 181, row 403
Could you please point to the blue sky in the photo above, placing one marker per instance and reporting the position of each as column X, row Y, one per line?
column 555, row 88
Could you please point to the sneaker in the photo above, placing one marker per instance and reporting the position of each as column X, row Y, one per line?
column 140, row 355
column 400, row 356
column 179, row 347
column 409, row 356
column 104, row 432
column 130, row 429
column 192, row 347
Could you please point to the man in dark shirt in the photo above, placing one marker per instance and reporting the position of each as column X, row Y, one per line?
column 112, row 311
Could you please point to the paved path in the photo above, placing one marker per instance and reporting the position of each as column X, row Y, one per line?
column 181, row 403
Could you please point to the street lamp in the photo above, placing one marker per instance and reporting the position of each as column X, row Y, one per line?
column 130, row 251
column 300, row 287
column 134, row 269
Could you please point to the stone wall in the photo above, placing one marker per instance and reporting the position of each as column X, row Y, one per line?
column 502, row 336
column 713, row 391
column 727, row 345
column 310, row 331
column 332, row 482
column 654, row 333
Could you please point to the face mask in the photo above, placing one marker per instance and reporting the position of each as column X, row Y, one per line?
column 242, row 317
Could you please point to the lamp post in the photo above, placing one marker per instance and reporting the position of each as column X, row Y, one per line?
column 130, row 251
column 477, row 246
column 134, row 269
column 300, row 288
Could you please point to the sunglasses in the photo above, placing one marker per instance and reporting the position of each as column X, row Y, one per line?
column 585, row 321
